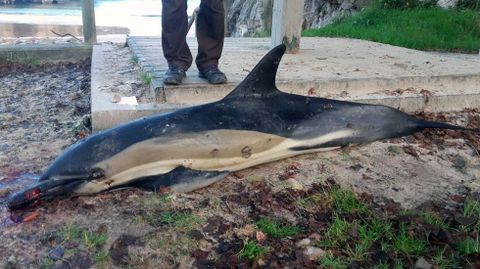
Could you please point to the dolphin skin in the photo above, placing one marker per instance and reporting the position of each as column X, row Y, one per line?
column 194, row 147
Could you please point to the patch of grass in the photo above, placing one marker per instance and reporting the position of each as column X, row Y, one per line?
column 345, row 201
column 469, row 246
column 332, row 262
column 472, row 208
column 276, row 229
column 251, row 251
column 101, row 257
column 146, row 78
column 93, row 240
column 442, row 261
column 431, row 29
column 336, row 234
column 46, row 263
column 134, row 59
column 434, row 219
column 407, row 244
column 70, row 233
column 176, row 220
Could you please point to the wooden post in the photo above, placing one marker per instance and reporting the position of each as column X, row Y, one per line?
column 287, row 21
column 89, row 26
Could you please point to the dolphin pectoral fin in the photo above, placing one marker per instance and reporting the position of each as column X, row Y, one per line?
column 180, row 179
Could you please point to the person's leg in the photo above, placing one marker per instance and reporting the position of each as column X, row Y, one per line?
column 210, row 33
column 174, row 33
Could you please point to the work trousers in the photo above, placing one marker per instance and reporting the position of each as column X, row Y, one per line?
column 210, row 32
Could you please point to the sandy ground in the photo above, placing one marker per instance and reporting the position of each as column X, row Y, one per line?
column 44, row 109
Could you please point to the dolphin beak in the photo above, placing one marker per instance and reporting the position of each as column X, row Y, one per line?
column 44, row 191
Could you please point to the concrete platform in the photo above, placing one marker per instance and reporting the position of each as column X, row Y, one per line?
column 38, row 53
column 345, row 69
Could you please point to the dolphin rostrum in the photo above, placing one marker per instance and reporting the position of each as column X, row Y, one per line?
column 194, row 147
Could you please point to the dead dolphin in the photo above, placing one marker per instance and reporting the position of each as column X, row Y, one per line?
column 196, row 146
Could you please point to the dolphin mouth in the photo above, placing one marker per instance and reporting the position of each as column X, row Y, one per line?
column 45, row 191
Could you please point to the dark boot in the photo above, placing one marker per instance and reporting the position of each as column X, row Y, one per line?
column 174, row 75
column 213, row 75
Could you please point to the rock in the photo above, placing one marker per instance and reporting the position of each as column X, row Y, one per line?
column 255, row 178
column 293, row 184
column 447, row 3
column 314, row 253
column 116, row 98
column 395, row 150
column 459, row 162
column 5, row 192
column 422, row 264
column 463, row 220
column 304, row 243
column 56, row 253
column 260, row 236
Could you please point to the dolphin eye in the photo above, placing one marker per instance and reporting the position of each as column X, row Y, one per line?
column 97, row 173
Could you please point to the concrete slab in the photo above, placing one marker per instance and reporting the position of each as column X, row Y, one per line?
column 41, row 53
column 345, row 69
column 105, row 113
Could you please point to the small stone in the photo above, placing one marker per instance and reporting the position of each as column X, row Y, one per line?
column 256, row 178
column 293, row 184
column 56, row 253
column 116, row 98
column 260, row 236
column 304, row 243
column 422, row 264
column 5, row 192
column 315, row 237
column 314, row 254
column 459, row 162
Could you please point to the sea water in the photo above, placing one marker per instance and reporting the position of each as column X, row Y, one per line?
column 140, row 17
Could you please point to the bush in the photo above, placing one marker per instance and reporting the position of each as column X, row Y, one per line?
column 469, row 4
column 408, row 4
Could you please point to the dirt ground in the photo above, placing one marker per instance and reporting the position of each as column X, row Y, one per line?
column 44, row 109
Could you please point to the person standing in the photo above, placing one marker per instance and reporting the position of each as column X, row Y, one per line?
column 210, row 32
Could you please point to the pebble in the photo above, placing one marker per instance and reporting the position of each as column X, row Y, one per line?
column 56, row 253
column 304, row 243
column 293, row 184
column 314, row 253
column 422, row 264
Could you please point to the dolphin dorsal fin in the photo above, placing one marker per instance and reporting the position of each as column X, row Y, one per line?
column 261, row 80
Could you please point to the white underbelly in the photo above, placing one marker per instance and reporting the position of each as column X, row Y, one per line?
column 157, row 157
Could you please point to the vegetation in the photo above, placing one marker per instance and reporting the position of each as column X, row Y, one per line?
column 412, row 24
column 146, row 78
column 275, row 229
column 251, row 250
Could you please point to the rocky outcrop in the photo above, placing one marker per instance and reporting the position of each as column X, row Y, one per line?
column 318, row 13
column 252, row 17
column 248, row 17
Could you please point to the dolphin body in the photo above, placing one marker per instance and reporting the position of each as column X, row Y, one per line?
column 197, row 146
